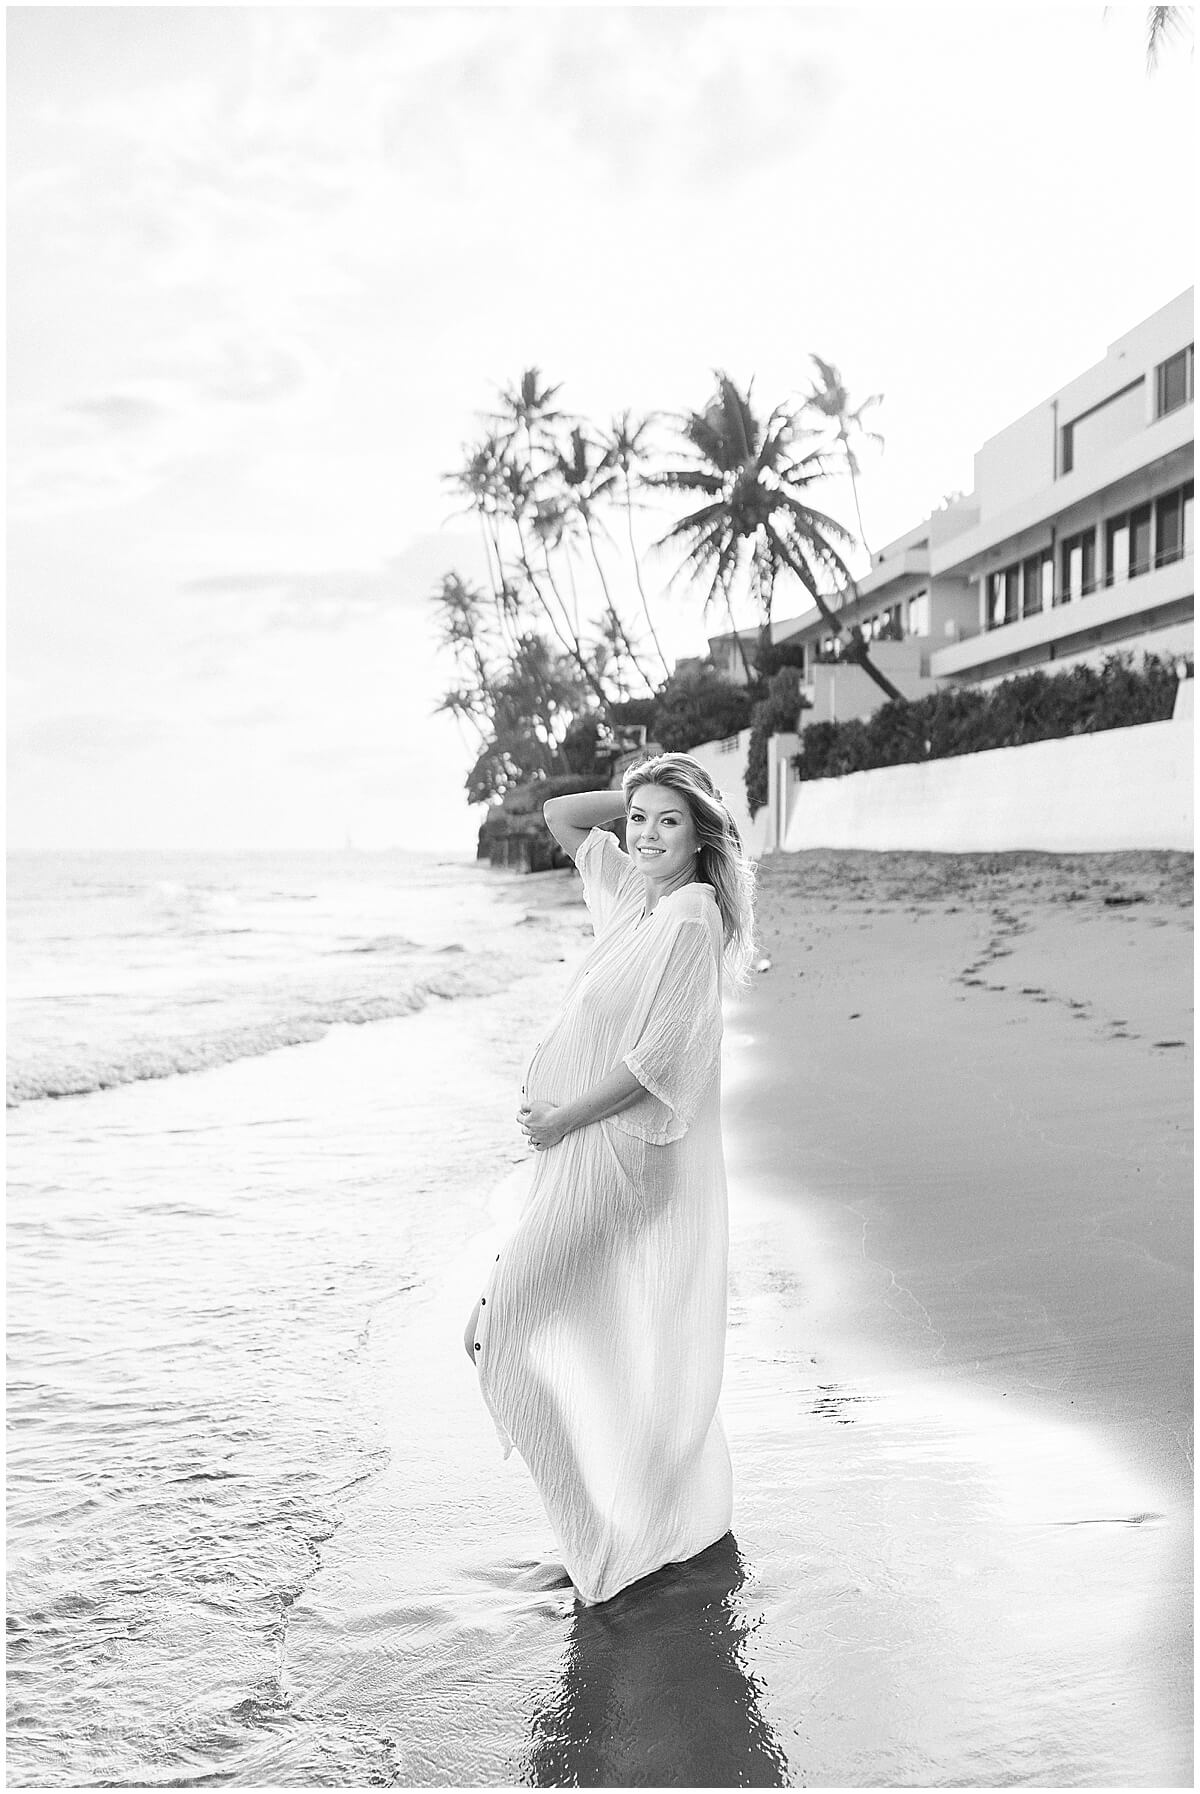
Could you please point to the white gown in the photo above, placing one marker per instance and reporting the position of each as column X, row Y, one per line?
column 601, row 1333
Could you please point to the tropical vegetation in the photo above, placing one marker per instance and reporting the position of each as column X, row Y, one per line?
column 961, row 720
column 557, row 654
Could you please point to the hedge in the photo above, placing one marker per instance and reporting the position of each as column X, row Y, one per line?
column 775, row 714
column 1031, row 707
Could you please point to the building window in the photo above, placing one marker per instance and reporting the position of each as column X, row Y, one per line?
column 1127, row 541
column 1078, row 564
column 1173, row 525
column 1090, row 435
column 1037, row 582
column 1003, row 597
column 918, row 614
column 1139, row 541
column 1067, row 456
column 1174, row 381
column 1116, row 550
column 1168, row 519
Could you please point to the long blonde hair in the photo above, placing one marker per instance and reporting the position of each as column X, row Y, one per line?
column 722, row 861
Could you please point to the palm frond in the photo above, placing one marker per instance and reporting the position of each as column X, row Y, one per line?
column 707, row 516
column 814, row 524
column 685, row 479
column 1162, row 24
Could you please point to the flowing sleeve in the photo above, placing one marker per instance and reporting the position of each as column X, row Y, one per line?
column 606, row 874
column 675, row 1049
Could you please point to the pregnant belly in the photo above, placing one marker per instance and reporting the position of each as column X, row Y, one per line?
column 548, row 1079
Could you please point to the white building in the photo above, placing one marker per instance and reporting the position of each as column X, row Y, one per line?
column 1077, row 540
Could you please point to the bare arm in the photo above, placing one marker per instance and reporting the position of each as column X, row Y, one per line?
column 570, row 818
column 546, row 1123
column 612, row 1094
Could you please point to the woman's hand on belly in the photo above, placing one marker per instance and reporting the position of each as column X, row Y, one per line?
column 545, row 1124
column 541, row 1125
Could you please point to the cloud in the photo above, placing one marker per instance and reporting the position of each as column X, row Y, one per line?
column 330, row 598
column 254, row 373
column 118, row 411
column 120, row 444
column 659, row 95
column 91, row 737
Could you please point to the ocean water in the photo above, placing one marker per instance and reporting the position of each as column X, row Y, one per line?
column 125, row 966
column 202, row 1229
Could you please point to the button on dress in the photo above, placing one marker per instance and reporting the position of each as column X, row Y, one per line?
column 602, row 1329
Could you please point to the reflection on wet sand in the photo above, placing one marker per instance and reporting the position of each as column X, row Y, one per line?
column 654, row 1690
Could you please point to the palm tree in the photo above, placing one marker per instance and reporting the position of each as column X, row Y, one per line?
column 625, row 447
column 462, row 705
column 527, row 409
column 537, row 697
column 754, row 486
column 479, row 480
column 502, row 489
column 464, row 630
column 583, row 477
column 831, row 401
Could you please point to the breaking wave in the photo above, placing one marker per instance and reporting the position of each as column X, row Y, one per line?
column 76, row 1071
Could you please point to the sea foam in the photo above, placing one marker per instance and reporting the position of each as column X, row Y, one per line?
column 77, row 1071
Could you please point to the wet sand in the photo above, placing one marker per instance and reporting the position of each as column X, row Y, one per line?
column 969, row 1078
column 955, row 1390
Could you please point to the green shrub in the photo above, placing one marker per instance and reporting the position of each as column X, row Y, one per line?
column 775, row 714
column 513, row 833
column 634, row 713
column 777, row 655
column 698, row 704
column 1030, row 707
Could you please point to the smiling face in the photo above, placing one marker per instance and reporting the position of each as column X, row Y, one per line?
column 662, row 837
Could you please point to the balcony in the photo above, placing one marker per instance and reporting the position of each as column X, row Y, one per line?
column 903, row 563
column 1130, row 598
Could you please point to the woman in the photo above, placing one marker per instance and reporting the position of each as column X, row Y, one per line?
column 600, row 1336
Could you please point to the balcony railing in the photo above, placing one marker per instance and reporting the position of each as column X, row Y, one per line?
column 1070, row 594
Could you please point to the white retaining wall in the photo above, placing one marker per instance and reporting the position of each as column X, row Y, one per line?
column 1120, row 789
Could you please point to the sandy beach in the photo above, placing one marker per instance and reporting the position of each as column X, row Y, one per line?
column 969, row 1079
column 957, row 1110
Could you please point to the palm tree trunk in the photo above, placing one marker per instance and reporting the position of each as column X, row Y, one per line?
column 848, row 453
column 637, row 574
column 856, row 649
column 741, row 648
column 570, row 643
column 862, row 534
column 491, row 549
column 612, row 609
column 574, row 586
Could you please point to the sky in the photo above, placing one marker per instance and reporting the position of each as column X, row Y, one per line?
column 268, row 265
